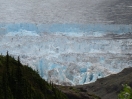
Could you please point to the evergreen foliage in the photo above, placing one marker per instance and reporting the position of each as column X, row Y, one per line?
column 21, row 82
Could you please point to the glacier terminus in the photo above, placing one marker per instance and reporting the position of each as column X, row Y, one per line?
column 69, row 54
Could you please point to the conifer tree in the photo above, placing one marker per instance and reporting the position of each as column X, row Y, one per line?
column 19, row 80
column 15, row 82
column 7, row 64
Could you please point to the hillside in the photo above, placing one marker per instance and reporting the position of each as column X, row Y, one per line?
column 104, row 88
column 21, row 82
column 109, row 87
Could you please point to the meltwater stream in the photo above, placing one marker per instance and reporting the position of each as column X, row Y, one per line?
column 69, row 54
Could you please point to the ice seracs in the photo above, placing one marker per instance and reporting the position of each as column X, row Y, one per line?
column 65, row 58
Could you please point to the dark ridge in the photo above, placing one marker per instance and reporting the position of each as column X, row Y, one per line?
column 73, row 92
column 109, row 87
column 21, row 82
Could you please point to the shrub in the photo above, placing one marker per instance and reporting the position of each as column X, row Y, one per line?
column 126, row 93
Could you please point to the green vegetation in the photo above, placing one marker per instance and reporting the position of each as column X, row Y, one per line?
column 76, row 92
column 21, row 82
column 126, row 93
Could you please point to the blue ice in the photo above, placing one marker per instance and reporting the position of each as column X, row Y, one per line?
column 83, row 70
column 91, row 77
column 67, row 28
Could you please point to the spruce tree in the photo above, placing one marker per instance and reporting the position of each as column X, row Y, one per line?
column 19, row 80
column 7, row 65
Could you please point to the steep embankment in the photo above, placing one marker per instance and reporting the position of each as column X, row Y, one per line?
column 109, row 87
column 104, row 88
column 21, row 82
column 73, row 92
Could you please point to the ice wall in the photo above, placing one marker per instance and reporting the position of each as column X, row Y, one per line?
column 65, row 28
column 69, row 54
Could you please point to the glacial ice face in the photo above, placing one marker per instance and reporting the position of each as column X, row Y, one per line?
column 22, row 33
column 69, row 54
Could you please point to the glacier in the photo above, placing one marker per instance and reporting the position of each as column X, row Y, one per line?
column 69, row 54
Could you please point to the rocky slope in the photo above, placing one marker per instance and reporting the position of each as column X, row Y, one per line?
column 109, row 87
